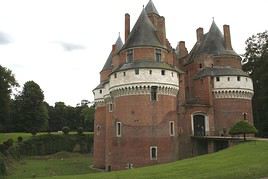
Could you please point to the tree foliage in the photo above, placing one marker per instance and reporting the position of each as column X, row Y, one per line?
column 243, row 127
column 35, row 113
column 256, row 63
column 7, row 81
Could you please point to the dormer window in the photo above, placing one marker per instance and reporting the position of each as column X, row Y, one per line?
column 129, row 55
column 158, row 55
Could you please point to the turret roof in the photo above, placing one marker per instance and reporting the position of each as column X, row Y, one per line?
column 118, row 46
column 212, row 43
column 143, row 33
column 150, row 8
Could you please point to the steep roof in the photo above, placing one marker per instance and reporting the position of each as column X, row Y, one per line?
column 212, row 43
column 143, row 33
column 150, row 8
column 220, row 71
column 118, row 46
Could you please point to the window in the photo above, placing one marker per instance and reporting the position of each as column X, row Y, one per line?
column 115, row 75
column 110, row 107
column 238, row 78
column 158, row 55
column 153, row 153
column 150, row 72
column 137, row 71
column 217, row 78
column 118, row 129
column 228, row 79
column 124, row 73
column 172, row 74
column 163, row 72
column 100, row 91
column 200, row 65
column 246, row 79
column 153, row 93
column 171, row 128
column 129, row 55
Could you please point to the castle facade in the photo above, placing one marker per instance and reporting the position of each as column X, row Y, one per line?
column 156, row 104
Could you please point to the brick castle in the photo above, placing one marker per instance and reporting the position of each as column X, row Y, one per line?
column 156, row 104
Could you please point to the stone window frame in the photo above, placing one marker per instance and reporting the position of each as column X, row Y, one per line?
column 130, row 55
column 118, row 129
column 158, row 55
column 172, row 128
column 151, row 153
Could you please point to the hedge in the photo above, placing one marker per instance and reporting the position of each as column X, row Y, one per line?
column 51, row 143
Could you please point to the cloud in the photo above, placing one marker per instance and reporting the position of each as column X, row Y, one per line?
column 4, row 38
column 70, row 46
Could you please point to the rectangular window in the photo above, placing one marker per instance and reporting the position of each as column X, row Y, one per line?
column 158, row 55
column 238, row 78
column 124, row 73
column 115, row 75
column 217, row 78
column 171, row 128
column 137, row 71
column 228, row 78
column 100, row 91
column 118, row 129
column 163, row 72
column 150, row 72
column 110, row 107
column 153, row 93
column 153, row 153
column 129, row 55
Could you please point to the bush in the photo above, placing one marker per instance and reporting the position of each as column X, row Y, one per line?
column 80, row 130
column 49, row 144
column 243, row 127
column 66, row 130
column 19, row 139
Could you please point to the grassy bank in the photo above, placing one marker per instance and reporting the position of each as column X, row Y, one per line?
column 247, row 160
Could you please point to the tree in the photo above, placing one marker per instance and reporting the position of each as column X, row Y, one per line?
column 33, row 108
column 7, row 81
column 88, row 114
column 243, row 127
column 255, row 62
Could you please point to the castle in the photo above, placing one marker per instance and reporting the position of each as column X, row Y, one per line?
column 156, row 104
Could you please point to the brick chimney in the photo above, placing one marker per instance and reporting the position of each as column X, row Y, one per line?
column 199, row 34
column 127, row 26
column 227, row 37
column 181, row 49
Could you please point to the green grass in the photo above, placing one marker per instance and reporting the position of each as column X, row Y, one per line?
column 247, row 160
column 25, row 136
column 62, row 163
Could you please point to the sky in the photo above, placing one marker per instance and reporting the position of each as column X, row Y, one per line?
column 62, row 45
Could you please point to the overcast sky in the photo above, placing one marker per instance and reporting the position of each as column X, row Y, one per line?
column 63, row 44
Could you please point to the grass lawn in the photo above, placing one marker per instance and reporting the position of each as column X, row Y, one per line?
column 25, row 136
column 247, row 160
column 62, row 163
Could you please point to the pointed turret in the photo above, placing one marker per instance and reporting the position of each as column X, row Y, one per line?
column 150, row 8
column 143, row 33
column 212, row 43
column 116, row 47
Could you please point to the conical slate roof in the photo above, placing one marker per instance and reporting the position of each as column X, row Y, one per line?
column 150, row 8
column 212, row 43
column 118, row 46
column 143, row 33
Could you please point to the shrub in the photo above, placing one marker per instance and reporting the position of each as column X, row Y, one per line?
column 49, row 144
column 243, row 127
column 80, row 130
column 66, row 130
column 19, row 139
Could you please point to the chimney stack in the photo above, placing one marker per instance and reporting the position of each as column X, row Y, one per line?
column 127, row 26
column 227, row 37
column 199, row 34
column 181, row 49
